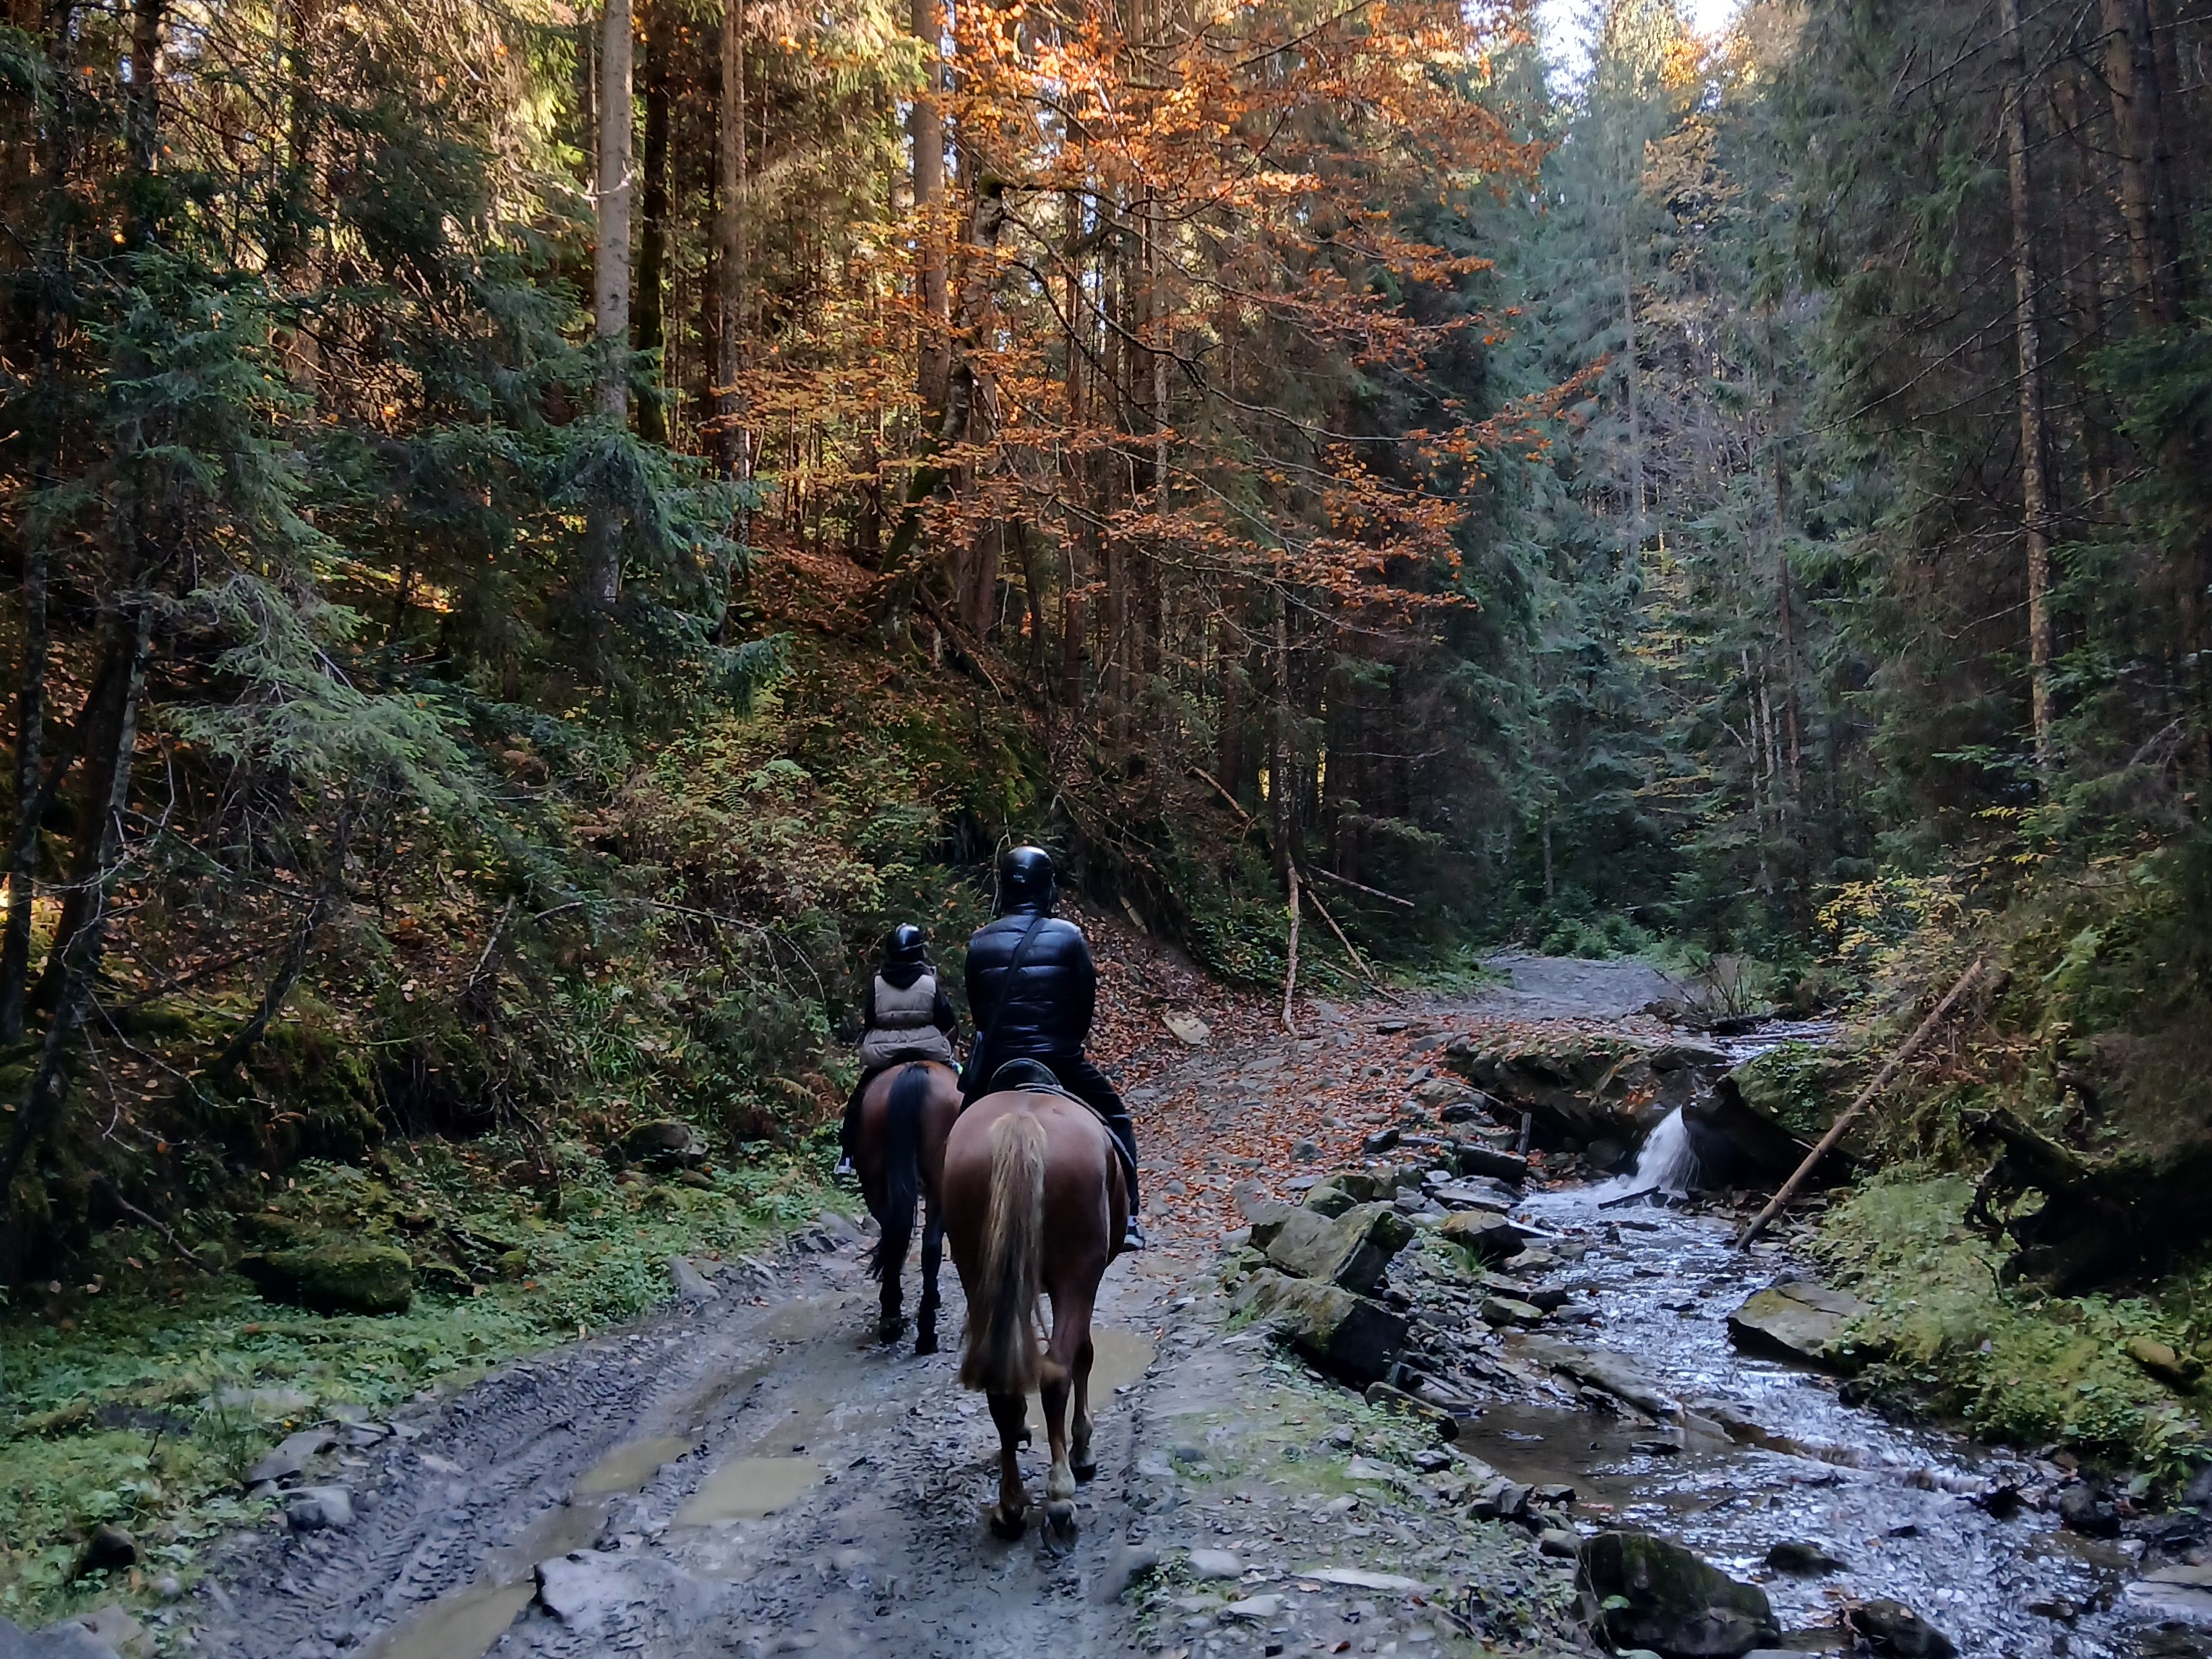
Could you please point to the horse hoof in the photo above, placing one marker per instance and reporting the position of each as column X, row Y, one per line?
column 1025, row 1434
column 891, row 1327
column 1083, row 1471
column 924, row 1344
column 1008, row 1527
column 1059, row 1521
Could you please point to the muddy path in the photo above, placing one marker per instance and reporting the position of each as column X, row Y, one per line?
column 753, row 1473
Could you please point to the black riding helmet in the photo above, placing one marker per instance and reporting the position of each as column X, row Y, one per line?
column 1026, row 881
column 906, row 944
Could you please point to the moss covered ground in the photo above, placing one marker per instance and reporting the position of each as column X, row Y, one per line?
column 140, row 1393
column 2011, row 1362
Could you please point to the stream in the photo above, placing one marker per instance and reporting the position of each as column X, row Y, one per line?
column 1895, row 1505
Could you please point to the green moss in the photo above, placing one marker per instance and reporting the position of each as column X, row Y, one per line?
column 335, row 1277
column 2003, row 1362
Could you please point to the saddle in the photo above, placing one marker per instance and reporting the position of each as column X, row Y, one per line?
column 1034, row 1076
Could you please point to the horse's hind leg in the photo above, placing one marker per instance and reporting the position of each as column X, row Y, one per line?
column 932, row 1253
column 1068, row 1351
column 1080, row 1462
column 1010, row 1517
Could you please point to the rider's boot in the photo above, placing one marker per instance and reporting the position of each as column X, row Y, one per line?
column 1133, row 1237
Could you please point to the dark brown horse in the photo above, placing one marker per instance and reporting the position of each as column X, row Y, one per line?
column 898, row 1153
column 1034, row 1201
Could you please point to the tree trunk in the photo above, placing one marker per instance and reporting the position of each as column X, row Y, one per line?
column 2034, row 503
column 926, row 126
column 610, row 293
column 77, row 955
column 2147, row 203
column 1631, row 373
column 651, row 330
column 732, row 443
column 23, row 844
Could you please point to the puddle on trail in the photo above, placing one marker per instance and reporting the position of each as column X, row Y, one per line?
column 748, row 1489
column 460, row 1625
column 1663, row 1283
column 626, row 1468
column 1118, row 1358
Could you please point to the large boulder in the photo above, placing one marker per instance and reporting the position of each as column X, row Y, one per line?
column 1351, row 1251
column 1350, row 1337
column 337, row 1276
column 1736, row 1143
column 1803, row 1322
column 667, row 1144
column 1588, row 1087
column 1648, row 1592
column 1485, row 1235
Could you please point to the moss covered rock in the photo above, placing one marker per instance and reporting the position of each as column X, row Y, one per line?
column 1649, row 1592
column 336, row 1276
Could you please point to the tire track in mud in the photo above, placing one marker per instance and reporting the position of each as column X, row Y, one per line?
column 662, row 1445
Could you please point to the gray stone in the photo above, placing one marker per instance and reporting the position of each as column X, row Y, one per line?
column 318, row 1508
column 107, row 1632
column 1891, row 1627
column 1252, row 1610
column 1558, row 1543
column 1130, row 1563
column 1803, row 1560
column 2085, row 1509
column 1380, row 1141
column 1804, row 1321
column 1605, row 1371
column 289, row 1458
column 1350, row 1337
column 1510, row 1310
column 1352, row 1250
column 668, row 1143
column 691, row 1285
column 1268, row 1222
column 1650, row 1592
column 1472, row 1157
column 1486, row 1237
column 1215, row 1564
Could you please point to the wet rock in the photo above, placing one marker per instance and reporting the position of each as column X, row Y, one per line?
column 2173, row 1596
column 110, row 1549
column 1351, row 1251
column 691, row 1285
column 1558, row 1543
column 1606, row 1371
column 336, row 1277
column 1476, row 1193
column 1350, row 1337
column 1510, row 1310
column 1585, row 1087
column 1214, row 1563
column 1486, row 1237
column 2159, row 1362
column 667, row 1144
column 1380, row 1141
column 1129, row 1563
column 1802, row 1559
column 1472, row 1158
column 1805, row 1321
column 2085, row 1508
column 1891, row 1627
column 1736, row 1142
column 1648, row 1592
column 318, row 1508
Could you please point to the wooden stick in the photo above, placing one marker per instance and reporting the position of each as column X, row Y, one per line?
column 1222, row 790
column 1371, row 892
column 1881, row 1080
column 1291, row 972
column 1350, row 949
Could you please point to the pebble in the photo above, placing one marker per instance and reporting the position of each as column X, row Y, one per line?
column 1215, row 1564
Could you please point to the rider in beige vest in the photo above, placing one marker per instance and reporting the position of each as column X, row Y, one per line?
column 909, row 1017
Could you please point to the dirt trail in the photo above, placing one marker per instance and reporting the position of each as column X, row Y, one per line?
column 753, row 1474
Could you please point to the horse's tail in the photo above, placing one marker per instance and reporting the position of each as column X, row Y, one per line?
column 902, row 1171
column 1002, row 1356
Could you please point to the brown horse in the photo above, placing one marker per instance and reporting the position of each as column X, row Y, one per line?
column 898, row 1153
column 1034, row 1201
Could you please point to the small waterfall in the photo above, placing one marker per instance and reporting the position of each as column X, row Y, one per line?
column 1667, row 1162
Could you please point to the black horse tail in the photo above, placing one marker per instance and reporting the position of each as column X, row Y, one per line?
column 902, row 1171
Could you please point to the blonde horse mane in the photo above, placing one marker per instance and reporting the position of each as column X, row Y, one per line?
column 1002, row 1356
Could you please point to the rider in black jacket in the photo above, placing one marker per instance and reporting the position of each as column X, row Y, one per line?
column 1039, row 1007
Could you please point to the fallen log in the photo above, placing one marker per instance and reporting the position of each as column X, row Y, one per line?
column 1891, row 1068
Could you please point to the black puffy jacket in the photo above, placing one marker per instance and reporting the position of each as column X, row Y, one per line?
column 1047, row 1011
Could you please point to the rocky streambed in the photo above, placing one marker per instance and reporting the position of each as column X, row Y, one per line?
column 1675, row 1417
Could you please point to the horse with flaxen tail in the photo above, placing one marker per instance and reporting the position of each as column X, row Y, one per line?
column 898, row 1153
column 1034, row 1201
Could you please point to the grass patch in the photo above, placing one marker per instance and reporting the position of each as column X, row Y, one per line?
column 141, row 1394
column 2009, row 1362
